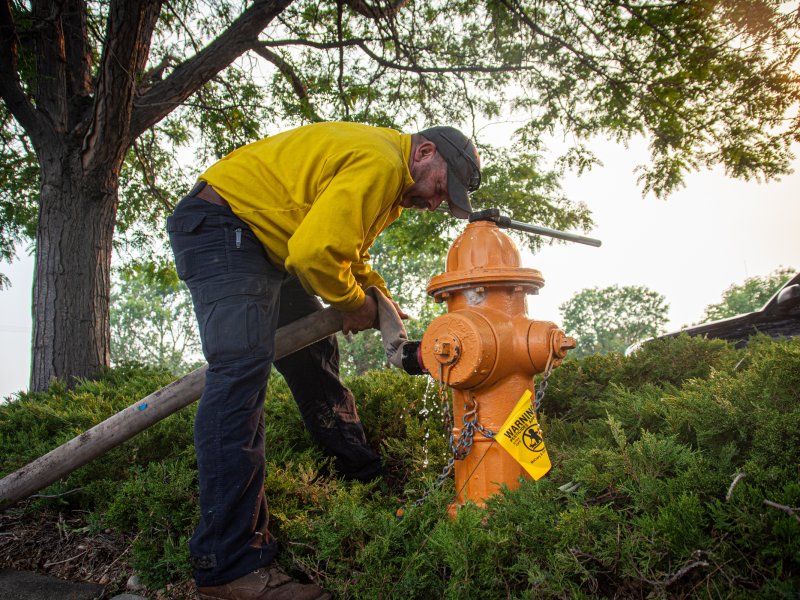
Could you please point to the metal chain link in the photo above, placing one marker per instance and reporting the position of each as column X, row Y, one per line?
column 537, row 399
column 447, row 418
column 459, row 448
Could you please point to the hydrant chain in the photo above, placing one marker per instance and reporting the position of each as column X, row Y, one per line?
column 484, row 431
column 461, row 447
column 470, row 410
column 537, row 401
column 440, row 479
column 472, row 413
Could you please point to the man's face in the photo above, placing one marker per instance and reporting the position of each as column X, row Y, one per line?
column 430, row 184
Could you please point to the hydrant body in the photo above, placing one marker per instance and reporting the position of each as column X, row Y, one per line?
column 487, row 350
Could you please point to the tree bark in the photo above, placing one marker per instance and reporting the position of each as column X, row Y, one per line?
column 80, row 156
column 72, row 281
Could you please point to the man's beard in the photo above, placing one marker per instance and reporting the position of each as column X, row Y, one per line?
column 418, row 202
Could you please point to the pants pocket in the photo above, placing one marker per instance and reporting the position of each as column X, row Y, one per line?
column 238, row 319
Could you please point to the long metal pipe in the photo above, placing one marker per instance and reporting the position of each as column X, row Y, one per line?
column 493, row 214
column 553, row 233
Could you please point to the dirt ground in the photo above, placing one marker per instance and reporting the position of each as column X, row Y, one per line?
column 59, row 545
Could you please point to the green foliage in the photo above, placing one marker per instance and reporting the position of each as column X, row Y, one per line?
column 152, row 319
column 708, row 83
column 613, row 318
column 639, row 502
column 19, row 189
column 749, row 296
column 152, row 180
column 160, row 501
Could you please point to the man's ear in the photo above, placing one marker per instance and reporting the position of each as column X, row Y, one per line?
column 425, row 150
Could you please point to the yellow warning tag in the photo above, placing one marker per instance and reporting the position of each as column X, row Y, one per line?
column 521, row 436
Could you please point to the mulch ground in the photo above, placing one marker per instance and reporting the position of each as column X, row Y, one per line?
column 60, row 545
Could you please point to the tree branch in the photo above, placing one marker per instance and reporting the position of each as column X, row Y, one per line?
column 67, row 493
column 372, row 12
column 128, row 32
column 149, row 176
column 156, row 73
column 637, row 13
column 189, row 76
column 683, row 571
column 187, row 30
column 737, row 479
column 787, row 509
column 340, row 76
column 10, row 86
column 361, row 43
column 51, row 73
column 58, row 562
column 585, row 59
column 291, row 75
column 78, row 53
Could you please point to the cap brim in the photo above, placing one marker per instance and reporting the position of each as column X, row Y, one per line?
column 458, row 204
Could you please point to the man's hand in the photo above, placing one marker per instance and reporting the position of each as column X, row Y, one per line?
column 361, row 319
column 400, row 312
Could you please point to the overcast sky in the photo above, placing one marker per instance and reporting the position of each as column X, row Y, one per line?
column 690, row 247
column 713, row 233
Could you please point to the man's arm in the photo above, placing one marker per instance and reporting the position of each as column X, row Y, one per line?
column 330, row 241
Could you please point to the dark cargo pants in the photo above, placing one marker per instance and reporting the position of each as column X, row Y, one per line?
column 240, row 299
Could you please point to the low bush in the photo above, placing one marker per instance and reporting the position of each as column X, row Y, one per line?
column 676, row 473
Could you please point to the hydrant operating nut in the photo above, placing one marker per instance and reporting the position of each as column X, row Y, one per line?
column 446, row 349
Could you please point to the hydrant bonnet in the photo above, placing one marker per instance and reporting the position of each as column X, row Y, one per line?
column 483, row 256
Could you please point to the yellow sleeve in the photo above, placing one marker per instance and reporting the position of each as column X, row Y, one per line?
column 362, row 270
column 327, row 251
column 366, row 277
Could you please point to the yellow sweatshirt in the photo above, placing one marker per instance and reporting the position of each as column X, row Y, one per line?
column 317, row 197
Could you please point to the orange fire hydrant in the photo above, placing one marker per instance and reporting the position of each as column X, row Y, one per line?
column 487, row 350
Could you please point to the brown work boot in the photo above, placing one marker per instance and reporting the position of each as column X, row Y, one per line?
column 268, row 583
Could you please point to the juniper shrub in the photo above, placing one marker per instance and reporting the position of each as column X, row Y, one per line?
column 640, row 500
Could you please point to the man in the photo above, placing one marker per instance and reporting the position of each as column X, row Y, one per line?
column 267, row 229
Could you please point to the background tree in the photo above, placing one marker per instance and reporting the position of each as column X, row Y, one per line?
column 748, row 296
column 95, row 86
column 152, row 320
column 611, row 319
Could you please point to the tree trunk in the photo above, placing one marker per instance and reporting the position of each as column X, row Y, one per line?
column 80, row 126
column 72, row 280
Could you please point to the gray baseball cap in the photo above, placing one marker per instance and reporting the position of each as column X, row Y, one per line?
column 463, row 166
